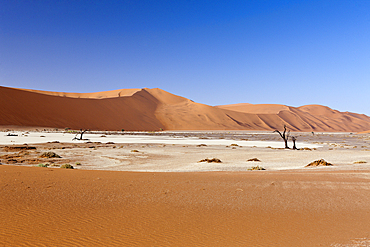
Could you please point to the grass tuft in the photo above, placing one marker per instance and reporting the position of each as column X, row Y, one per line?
column 360, row 162
column 214, row 160
column 321, row 162
column 49, row 155
column 67, row 166
column 42, row 165
column 254, row 159
column 256, row 168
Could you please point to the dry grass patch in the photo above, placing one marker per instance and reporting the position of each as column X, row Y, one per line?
column 254, row 159
column 305, row 148
column 49, row 155
column 67, row 166
column 214, row 160
column 360, row 162
column 321, row 162
column 42, row 165
column 256, row 168
column 202, row 145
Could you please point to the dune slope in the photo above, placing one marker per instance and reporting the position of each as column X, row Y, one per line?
column 24, row 108
column 304, row 118
column 155, row 109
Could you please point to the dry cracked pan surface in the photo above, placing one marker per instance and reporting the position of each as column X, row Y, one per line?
column 58, row 207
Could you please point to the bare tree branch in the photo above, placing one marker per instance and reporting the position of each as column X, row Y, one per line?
column 284, row 136
column 81, row 134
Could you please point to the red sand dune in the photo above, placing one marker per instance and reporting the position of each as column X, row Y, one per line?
column 155, row 109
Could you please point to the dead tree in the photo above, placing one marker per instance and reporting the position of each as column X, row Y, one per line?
column 294, row 139
column 284, row 135
column 81, row 134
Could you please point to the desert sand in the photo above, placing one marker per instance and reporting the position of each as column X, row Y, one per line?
column 60, row 207
column 179, row 201
column 155, row 109
column 134, row 184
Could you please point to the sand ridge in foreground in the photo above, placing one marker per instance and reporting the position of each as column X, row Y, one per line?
column 155, row 109
column 100, row 208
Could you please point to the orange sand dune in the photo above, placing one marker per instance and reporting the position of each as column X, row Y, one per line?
column 59, row 207
column 255, row 109
column 23, row 108
column 364, row 132
column 155, row 109
column 97, row 95
column 304, row 118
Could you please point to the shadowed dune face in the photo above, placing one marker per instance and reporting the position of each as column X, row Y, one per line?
column 155, row 109
column 23, row 108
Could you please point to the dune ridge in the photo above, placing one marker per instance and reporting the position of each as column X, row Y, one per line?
column 97, row 95
column 155, row 109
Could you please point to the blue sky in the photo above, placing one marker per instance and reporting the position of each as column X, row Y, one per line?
column 213, row 52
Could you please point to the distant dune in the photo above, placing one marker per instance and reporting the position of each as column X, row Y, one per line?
column 305, row 118
column 155, row 109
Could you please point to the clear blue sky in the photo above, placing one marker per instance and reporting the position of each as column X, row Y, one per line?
column 213, row 52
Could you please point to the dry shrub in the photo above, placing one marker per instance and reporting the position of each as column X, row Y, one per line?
column 309, row 149
column 321, row 162
column 214, row 160
column 256, row 168
column 254, row 159
column 43, row 165
column 67, row 166
column 135, row 151
column 360, row 162
column 49, row 155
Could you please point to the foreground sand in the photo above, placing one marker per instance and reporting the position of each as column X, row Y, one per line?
column 58, row 207
column 222, row 204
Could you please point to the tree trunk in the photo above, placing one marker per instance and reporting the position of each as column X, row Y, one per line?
column 286, row 143
column 294, row 139
column 294, row 147
column 82, row 132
